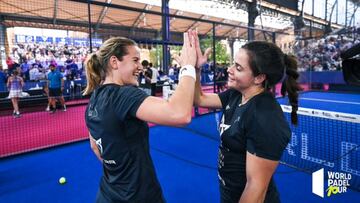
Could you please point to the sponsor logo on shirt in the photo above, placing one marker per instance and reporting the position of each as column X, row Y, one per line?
column 92, row 112
column 223, row 127
column 99, row 145
column 113, row 162
column 221, row 179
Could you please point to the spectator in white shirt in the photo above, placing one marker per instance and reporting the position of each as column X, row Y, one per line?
column 33, row 73
column 154, row 79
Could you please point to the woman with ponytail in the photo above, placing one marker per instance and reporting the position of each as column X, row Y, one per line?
column 15, row 84
column 253, row 129
column 117, row 116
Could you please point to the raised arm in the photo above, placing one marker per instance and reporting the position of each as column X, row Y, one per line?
column 178, row 109
column 201, row 99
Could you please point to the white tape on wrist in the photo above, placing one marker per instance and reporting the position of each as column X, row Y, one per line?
column 187, row 70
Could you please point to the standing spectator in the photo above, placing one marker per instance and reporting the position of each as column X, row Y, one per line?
column 154, row 78
column 220, row 79
column 56, row 86
column 10, row 64
column 146, row 76
column 147, row 72
column 15, row 84
column 25, row 67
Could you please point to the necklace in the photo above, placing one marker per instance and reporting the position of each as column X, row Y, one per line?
column 244, row 100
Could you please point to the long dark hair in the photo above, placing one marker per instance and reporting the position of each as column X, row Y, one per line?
column 97, row 63
column 267, row 58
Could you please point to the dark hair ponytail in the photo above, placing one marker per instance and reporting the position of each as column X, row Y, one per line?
column 267, row 58
column 291, row 86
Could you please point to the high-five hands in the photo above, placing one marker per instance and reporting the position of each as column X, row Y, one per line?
column 188, row 51
column 201, row 58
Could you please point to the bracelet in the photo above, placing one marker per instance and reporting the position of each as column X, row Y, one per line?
column 187, row 70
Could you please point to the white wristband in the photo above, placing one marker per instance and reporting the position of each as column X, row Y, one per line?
column 187, row 70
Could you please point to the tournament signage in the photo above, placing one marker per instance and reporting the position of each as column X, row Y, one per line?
column 57, row 40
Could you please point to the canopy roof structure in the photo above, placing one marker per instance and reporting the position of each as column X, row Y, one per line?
column 141, row 17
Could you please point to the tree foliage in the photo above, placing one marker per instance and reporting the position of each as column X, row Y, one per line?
column 221, row 55
column 156, row 55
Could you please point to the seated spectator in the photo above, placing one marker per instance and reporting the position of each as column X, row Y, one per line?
column 33, row 73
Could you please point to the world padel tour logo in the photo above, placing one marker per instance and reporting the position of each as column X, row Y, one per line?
column 336, row 183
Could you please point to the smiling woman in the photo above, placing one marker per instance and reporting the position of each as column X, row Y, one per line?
column 117, row 113
column 253, row 129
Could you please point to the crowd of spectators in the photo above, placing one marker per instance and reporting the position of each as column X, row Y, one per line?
column 322, row 54
column 33, row 64
column 33, row 60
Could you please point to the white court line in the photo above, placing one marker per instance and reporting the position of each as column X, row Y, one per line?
column 333, row 101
